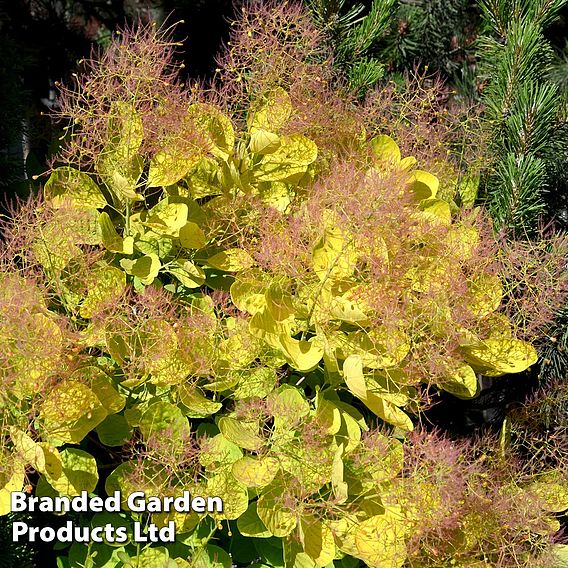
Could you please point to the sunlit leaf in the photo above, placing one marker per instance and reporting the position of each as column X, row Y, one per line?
column 217, row 452
column 145, row 268
column 317, row 540
column 338, row 484
column 302, row 355
column 378, row 348
column 255, row 472
column 190, row 275
column 288, row 406
column 68, row 185
column 552, row 489
column 468, row 188
column 279, row 301
column 247, row 292
column 276, row 517
column 119, row 164
column 231, row 260
column 334, row 256
column 388, row 411
column 485, row 294
column 170, row 165
column 167, row 218
column 70, row 411
column 191, row 236
column 233, row 494
column 112, row 241
column 203, row 181
column 274, row 111
column 380, row 540
column 386, row 149
column 354, row 378
column 462, row 241
column 327, row 414
column 41, row 456
column 215, row 127
column 560, row 552
column 106, row 286
column 255, row 382
column 278, row 195
column 79, row 473
column 501, row 355
column 243, row 434
column 210, row 556
column 292, row 157
column 164, row 419
column 436, row 211
column 462, row 380
column 155, row 557
column 263, row 141
column 10, row 480
column 198, row 406
column 423, row 185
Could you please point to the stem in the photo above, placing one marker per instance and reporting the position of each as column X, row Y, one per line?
column 127, row 220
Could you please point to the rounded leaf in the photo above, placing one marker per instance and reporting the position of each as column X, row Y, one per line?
column 273, row 112
column 462, row 380
column 277, row 518
column 70, row 411
column 501, row 355
column 168, row 166
column 380, row 541
column 68, row 185
column 243, row 434
column 423, row 185
column 291, row 158
column 164, row 419
column 231, row 260
column 303, row 356
column 191, row 236
column 249, row 524
column 190, row 275
column 114, row 430
column 484, row 294
column 145, row 268
column 79, row 473
column 386, row 149
column 255, row 472
column 210, row 556
column 317, row 540
column 198, row 406
column 255, row 382
column 263, row 141
column 106, row 285
column 233, row 494
column 217, row 452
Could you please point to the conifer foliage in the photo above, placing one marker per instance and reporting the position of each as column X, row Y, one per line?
column 389, row 37
column 353, row 36
column 525, row 111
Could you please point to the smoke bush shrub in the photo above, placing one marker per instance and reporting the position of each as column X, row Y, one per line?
column 248, row 292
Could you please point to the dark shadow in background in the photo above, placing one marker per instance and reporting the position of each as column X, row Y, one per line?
column 41, row 42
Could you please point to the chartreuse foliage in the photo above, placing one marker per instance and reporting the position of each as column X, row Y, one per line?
column 275, row 388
